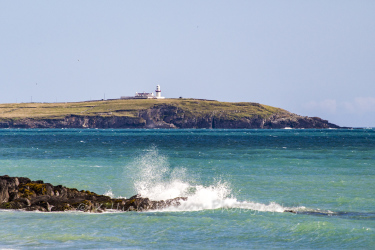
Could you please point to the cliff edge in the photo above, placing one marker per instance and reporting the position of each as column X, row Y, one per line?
column 167, row 113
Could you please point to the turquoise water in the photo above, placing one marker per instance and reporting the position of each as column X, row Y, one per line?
column 238, row 183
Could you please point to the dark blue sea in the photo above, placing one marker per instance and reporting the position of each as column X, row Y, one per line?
column 238, row 183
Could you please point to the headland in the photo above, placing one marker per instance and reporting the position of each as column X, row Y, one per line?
column 154, row 113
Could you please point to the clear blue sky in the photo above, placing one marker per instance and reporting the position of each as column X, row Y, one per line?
column 313, row 58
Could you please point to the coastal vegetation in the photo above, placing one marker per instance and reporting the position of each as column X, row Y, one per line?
column 152, row 113
column 130, row 108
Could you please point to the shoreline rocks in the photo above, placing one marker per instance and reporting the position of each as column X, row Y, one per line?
column 20, row 193
column 23, row 194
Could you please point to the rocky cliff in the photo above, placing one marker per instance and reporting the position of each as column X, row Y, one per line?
column 187, row 114
column 165, row 116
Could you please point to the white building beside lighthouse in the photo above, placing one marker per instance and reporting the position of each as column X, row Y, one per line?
column 145, row 95
column 158, row 93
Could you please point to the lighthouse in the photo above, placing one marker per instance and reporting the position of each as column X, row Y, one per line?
column 158, row 93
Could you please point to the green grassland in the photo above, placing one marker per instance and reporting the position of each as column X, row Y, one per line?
column 131, row 107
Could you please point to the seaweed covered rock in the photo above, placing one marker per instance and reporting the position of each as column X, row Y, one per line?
column 24, row 194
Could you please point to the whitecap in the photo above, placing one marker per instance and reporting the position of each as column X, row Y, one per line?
column 155, row 180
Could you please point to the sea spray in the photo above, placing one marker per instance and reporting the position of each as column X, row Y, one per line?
column 219, row 196
column 155, row 179
column 109, row 193
column 322, row 169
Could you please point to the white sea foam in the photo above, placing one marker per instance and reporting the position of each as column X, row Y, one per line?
column 218, row 197
column 157, row 181
column 109, row 193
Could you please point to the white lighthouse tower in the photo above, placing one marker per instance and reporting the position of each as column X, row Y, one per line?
column 158, row 93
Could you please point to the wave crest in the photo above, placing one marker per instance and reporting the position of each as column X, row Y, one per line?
column 157, row 181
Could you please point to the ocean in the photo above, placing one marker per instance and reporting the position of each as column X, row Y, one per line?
column 238, row 183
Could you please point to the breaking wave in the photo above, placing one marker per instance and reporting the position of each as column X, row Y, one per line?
column 156, row 180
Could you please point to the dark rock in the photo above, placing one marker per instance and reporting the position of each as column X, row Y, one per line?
column 8, row 188
column 13, row 195
column 22, row 193
column 24, row 180
column 26, row 201
column 290, row 211
column 4, row 195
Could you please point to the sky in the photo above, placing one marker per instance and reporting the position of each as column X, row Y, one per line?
column 312, row 58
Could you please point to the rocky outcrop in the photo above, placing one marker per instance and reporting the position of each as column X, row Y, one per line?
column 166, row 116
column 296, row 121
column 23, row 194
column 170, row 116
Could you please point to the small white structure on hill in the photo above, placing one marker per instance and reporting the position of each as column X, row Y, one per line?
column 145, row 95
column 158, row 93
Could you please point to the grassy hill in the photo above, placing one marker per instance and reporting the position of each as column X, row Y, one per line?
column 153, row 113
column 131, row 107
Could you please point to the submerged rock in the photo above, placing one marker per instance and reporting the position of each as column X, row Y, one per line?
column 23, row 194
